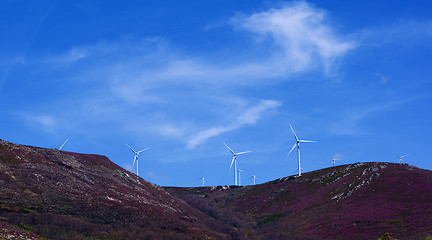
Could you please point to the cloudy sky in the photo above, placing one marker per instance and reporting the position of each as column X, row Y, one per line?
column 182, row 78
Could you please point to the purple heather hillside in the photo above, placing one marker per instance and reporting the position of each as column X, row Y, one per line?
column 358, row 201
column 56, row 194
column 62, row 195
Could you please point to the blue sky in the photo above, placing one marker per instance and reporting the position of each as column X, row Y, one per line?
column 182, row 78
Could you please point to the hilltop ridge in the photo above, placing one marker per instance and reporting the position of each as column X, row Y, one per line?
column 64, row 195
column 355, row 201
column 51, row 191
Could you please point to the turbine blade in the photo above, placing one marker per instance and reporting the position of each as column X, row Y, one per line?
column 134, row 160
column 307, row 141
column 295, row 144
column 230, row 149
column 131, row 148
column 144, row 150
column 294, row 133
column 63, row 144
column 405, row 155
column 397, row 155
column 243, row 152
column 232, row 162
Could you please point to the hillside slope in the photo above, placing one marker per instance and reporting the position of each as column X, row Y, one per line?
column 59, row 194
column 358, row 201
column 63, row 195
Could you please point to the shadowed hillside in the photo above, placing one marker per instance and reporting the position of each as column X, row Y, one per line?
column 65, row 195
column 358, row 201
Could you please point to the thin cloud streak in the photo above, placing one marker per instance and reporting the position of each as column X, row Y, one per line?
column 41, row 121
column 249, row 117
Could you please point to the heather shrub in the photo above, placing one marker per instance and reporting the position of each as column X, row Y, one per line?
column 386, row 236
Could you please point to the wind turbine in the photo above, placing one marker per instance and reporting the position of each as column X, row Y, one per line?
column 202, row 178
column 234, row 160
column 239, row 177
column 63, row 144
column 136, row 157
column 298, row 141
column 334, row 160
column 253, row 176
column 400, row 157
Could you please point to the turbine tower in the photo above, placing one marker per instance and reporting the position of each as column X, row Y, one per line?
column 136, row 157
column 234, row 160
column 333, row 160
column 239, row 177
column 400, row 157
column 253, row 176
column 298, row 141
column 63, row 144
column 202, row 178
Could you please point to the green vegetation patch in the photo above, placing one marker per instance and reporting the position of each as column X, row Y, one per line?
column 393, row 221
column 271, row 218
column 386, row 236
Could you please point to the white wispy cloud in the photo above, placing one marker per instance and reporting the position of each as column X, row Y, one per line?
column 303, row 34
column 169, row 130
column 134, row 80
column 41, row 121
column 248, row 117
column 298, row 39
column 73, row 55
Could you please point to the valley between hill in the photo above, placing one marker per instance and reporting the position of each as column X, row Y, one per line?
column 47, row 193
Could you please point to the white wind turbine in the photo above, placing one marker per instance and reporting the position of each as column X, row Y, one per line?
column 63, row 144
column 239, row 177
column 202, row 178
column 334, row 160
column 136, row 157
column 400, row 157
column 234, row 160
column 298, row 141
column 253, row 176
